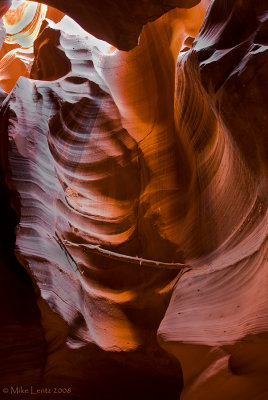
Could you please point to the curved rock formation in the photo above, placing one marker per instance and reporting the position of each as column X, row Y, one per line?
column 23, row 22
column 117, row 22
column 20, row 27
column 142, row 200
column 218, row 311
column 95, row 206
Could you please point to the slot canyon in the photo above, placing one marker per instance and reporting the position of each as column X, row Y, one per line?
column 134, row 193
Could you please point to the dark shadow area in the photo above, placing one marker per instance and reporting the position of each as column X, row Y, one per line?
column 22, row 346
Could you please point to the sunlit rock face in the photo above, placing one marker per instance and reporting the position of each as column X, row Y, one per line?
column 142, row 201
column 21, row 26
column 23, row 21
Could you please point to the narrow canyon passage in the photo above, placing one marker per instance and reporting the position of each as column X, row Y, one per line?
column 138, row 177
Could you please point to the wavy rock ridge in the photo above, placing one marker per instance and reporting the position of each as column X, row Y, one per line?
column 142, row 201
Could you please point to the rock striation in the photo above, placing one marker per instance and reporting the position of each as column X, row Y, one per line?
column 20, row 27
column 218, row 311
column 139, row 181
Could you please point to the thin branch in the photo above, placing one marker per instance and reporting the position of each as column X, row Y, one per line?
column 130, row 259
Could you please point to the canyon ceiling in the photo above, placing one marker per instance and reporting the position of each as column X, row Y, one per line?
column 134, row 188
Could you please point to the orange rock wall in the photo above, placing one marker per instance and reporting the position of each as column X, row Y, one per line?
column 139, row 181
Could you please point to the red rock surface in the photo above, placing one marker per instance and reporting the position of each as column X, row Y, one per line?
column 140, row 184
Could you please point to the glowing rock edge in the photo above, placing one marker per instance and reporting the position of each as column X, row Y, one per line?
column 137, row 183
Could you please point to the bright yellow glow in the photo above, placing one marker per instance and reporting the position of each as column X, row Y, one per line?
column 23, row 22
